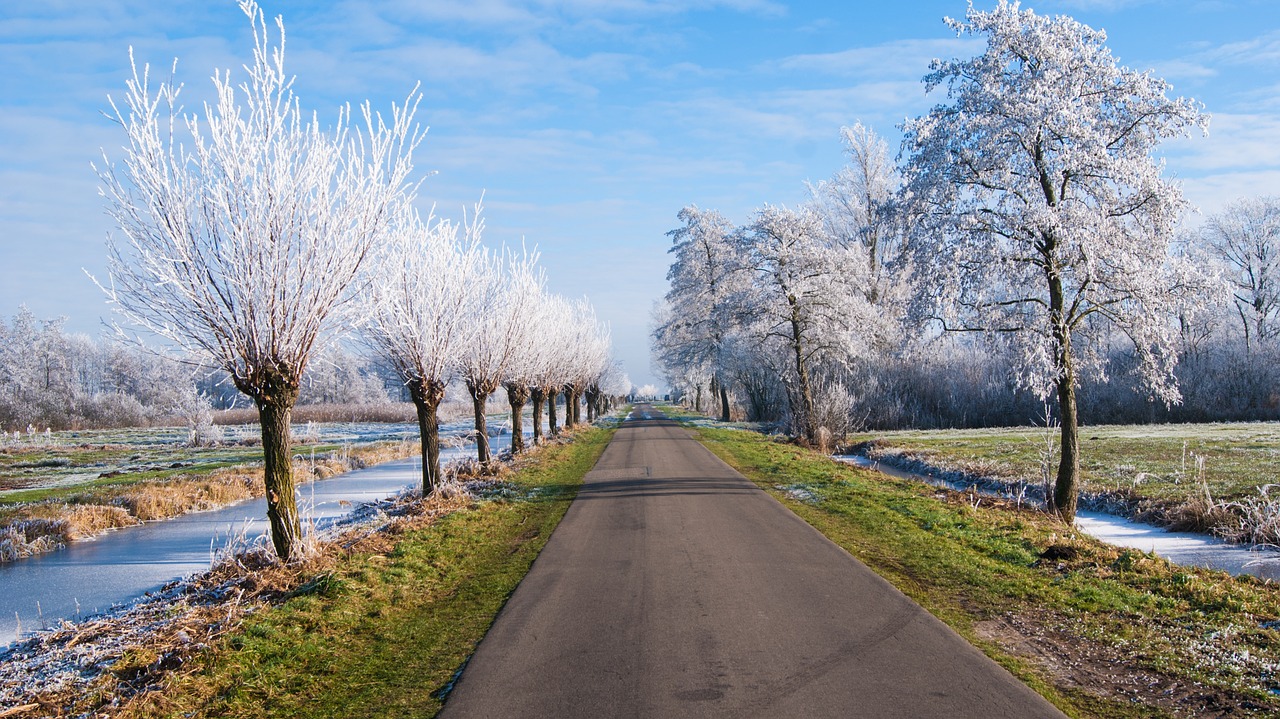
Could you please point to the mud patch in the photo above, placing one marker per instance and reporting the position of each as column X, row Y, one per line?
column 1073, row 663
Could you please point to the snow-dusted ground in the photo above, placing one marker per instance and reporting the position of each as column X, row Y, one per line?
column 1184, row 548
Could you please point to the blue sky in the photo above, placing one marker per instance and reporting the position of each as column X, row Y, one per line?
column 587, row 123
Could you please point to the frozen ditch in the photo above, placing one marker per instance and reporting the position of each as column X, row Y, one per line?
column 1184, row 548
column 91, row 576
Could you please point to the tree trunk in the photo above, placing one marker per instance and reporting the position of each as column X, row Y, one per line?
column 478, row 400
column 577, row 406
column 591, row 406
column 1064, row 489
column 570, row 401
column 810, row 428
column 724, row 403
column 517, row 396
column 426, row 399
column 551, row 413
column 274, row 412
column 537, row 395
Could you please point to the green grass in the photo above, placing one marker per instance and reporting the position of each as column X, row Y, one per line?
column 1156, row 462
column 384, row 634
column 1123, row 613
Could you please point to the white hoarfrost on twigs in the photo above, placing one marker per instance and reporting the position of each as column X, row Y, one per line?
column 246, row 229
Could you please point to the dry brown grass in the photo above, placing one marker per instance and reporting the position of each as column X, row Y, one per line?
column 162, row 500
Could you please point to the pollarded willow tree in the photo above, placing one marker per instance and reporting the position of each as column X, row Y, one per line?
column 556, row 352
column 1045, row 218
column 497, row 306
column 526, row 292
column 416, row 315
column 590, row 341
column 244, row 243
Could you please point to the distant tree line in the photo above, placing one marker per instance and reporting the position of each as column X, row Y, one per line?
column 50, row 378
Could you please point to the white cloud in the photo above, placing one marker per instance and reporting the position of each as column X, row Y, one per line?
column 1262, row 51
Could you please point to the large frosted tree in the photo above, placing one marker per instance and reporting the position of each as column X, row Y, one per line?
column 804, row 298
column 246, row 229
column 1045, row 219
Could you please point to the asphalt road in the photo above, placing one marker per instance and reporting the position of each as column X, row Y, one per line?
column 676, row 588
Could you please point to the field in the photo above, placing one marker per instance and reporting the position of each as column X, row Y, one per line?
column 1160, row 471
column 58, row 487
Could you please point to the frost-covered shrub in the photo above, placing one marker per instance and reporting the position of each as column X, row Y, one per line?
column 32, row 536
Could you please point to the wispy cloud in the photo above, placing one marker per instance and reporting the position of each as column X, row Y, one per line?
column 1235, row 142
column 902, row 58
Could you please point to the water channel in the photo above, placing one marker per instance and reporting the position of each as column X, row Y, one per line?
column 1183, row 548
column 91, row 576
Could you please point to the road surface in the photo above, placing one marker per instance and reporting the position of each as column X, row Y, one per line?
column 674, row 587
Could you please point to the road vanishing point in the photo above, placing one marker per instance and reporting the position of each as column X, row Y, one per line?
column 674, row 587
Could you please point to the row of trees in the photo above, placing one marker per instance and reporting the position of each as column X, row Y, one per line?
column 1026, row 248
column 253, row 237
column 447, row 309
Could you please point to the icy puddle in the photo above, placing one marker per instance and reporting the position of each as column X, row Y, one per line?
column 1185, row 548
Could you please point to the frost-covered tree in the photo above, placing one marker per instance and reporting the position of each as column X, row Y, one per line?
column 855, row 205
column 591, row 357
column 496, row 305
column 417, row 315
column 1044, row 216
column 337, row 377
column 552, row 342
column 245, row 231
column 804, row 298
column 525, row 288
column 1245, row 237
column 704, row 276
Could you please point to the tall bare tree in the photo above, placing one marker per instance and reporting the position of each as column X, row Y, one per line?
column 246, row 231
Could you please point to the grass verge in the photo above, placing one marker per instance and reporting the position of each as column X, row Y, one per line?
column 1097, row 630
column 384, row 630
